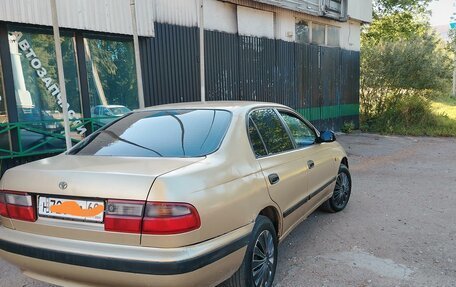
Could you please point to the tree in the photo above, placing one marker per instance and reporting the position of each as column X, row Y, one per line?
column 385, row 7
column 400, row 56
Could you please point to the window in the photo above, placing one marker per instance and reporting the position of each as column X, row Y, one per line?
column 302, row 32
column 256, row 141
column 310, row 32
column 333, row 36
column 318, row 34
column 166, row 133
column 111, row 77
column 335, row 5
column 302, row 134
column 272, row 131
column 4, row 136
column 36, row 84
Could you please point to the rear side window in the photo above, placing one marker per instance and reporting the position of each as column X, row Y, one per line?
column 166, row 133
column 272, row 131
column 256, row 140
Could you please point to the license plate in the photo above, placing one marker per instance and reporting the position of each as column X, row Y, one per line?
column 71, row 209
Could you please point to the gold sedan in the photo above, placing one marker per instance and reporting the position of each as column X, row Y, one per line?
column 190, row 194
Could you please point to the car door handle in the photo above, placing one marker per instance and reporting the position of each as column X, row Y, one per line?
column 273, row 178
column 310, row 164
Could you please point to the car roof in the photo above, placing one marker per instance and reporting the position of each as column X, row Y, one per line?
column 222, row 105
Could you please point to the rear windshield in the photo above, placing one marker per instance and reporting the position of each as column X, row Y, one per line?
column 165, row 133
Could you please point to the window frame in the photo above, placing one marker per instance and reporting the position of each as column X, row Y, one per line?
column 285, row 126
column 311, row 24
column 306, row 123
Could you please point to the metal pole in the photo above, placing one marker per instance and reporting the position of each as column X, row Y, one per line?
column 58, row 54
column 201, row 44
column 137, row 55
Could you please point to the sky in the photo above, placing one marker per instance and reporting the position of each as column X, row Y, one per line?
column 441, row 11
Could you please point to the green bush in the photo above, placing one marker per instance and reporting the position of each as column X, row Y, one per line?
column 348, row 127
column 411, row 115
column 403, row 65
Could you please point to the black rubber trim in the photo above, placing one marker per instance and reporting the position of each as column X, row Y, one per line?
column 125, row 265
column 307, row 198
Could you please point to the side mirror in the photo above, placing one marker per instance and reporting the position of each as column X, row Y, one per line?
column 327, row 137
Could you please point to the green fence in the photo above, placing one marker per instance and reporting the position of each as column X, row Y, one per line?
column 24, row 139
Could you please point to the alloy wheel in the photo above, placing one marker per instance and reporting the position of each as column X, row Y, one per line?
column 342, row 190
column 263, row 260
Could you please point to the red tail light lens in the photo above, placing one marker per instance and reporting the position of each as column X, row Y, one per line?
column 124, row 216
column 170, row 218
column 3, row 209
column 151, row 217
column 18, row 206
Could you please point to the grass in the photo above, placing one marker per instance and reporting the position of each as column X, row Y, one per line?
column 445, row 106
column 417, row 117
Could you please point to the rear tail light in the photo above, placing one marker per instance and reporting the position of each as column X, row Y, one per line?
column 17, row 205
column 150, row 217
column 124, row 216
column 170, row 218
column 3, row 209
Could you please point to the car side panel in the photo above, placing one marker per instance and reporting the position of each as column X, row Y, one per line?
column 227, row 188
column 221, row 208
column 292, row 187
column 324, row 171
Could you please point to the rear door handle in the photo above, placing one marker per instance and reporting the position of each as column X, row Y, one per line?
column 273, row 178
column 310, row 164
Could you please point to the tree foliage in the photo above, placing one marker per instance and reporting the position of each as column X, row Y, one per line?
column 401, row 56
column 385, row 7
column 396, row 26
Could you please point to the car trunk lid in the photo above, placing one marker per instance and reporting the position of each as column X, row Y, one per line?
column 94, row 178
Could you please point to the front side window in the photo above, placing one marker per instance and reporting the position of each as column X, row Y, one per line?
column 302, row 134
column 272, row 131
column 165, row 133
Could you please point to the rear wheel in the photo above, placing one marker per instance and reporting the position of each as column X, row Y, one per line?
column 341, row 193
column 260, row 261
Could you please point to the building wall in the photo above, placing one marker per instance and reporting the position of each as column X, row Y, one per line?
column 253, row 56
column 112, row 16
column 251, row 53
column 360, row 10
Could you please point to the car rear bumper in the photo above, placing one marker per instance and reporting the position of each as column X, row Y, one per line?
column 72, row 262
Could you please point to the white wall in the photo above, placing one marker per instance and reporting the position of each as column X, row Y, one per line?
column 253, row 22
column 96, row 15
column 285, row 26
column 220, row 16
column 177, row 12
column 113, row 16
column 350, row 34
column 360, row 10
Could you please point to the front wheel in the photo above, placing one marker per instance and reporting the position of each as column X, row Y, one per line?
column 341, row 193
column 260, row 261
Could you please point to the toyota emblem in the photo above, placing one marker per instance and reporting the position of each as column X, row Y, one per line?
column 63, row 185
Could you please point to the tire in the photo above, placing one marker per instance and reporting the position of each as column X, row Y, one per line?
column 263, row 237
column 341, row 193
